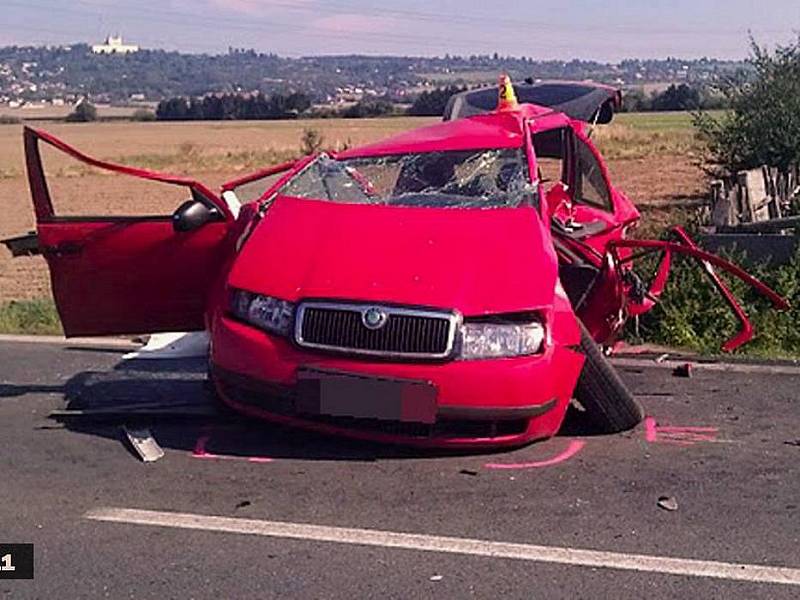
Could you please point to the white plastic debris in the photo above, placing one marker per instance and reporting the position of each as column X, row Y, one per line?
column 436, row 577
column 144, row 443
column 175, row 344
column 668, row 503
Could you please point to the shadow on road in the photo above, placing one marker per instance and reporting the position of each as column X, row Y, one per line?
column 135, row 391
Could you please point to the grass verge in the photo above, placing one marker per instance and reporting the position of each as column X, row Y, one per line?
column 38, row 317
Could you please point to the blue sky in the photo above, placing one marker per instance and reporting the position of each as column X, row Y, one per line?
column 590, row 29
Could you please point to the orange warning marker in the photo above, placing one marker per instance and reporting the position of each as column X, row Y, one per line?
column 507, row 98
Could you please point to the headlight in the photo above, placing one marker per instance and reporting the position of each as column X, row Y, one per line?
column 265, row 312
column 494, row 340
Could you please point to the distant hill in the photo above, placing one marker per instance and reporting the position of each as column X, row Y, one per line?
column 67, row 73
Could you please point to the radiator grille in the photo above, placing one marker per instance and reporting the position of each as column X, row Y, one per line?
column 406, row 332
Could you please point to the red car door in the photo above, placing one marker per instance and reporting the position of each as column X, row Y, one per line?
column 118, row 273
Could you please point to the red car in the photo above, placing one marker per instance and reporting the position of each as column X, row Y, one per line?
column 446, row 287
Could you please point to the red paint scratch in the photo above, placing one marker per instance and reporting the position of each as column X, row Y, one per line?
column 574, row 447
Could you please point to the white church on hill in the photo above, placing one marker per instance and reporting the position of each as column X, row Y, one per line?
column 114, row 45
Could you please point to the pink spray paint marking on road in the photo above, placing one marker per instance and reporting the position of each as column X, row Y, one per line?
column 200, row 452
column 574, row 447
column 650, row 429
column 681, row 436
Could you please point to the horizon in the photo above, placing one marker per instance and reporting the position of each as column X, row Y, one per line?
column 375, row 56
column 585, row 30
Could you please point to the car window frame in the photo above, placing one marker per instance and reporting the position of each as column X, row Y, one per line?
column 581, row 142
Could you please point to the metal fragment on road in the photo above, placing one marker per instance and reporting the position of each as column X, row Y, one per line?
column 144, row 443
column 668, row 503
column 684, row 370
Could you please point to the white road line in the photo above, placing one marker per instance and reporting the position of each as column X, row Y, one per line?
column 708, row 366
column 453, row 545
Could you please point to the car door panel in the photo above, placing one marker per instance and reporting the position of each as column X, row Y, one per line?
column 125, row 274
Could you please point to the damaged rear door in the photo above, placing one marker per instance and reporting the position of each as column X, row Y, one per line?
column 122, row 258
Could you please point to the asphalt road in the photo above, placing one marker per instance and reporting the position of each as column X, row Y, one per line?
column 724, row 445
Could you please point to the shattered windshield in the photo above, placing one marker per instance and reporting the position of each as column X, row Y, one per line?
column 455, row 179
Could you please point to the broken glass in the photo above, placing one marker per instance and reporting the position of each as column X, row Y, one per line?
column 492, row 178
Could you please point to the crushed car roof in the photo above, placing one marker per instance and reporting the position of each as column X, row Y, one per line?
column 584, row 101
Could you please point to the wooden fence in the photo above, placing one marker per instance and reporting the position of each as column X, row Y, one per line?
column 755, row 196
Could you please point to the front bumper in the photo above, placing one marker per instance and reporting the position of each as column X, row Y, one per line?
column 501, row 402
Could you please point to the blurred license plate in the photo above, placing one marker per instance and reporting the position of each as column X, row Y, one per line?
column 343, row 395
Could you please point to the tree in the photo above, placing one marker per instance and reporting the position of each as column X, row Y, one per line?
column 83, row 113
column 174, row 109
column 217, row 107
column 433, row 103
column 369, row 108
column 763, row 125
column 680, row 97
column 636, row 100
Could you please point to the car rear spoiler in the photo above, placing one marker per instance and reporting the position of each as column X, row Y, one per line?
column 584, row 101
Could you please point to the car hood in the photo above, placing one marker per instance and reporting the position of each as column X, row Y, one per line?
column 472, row 260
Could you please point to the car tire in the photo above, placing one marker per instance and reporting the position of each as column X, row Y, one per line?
column 609, row 406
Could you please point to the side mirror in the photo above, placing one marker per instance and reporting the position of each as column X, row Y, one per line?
column 191, row 215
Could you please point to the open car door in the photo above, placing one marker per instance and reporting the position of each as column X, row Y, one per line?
column 146, row 263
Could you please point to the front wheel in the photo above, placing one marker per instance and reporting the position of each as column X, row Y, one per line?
column 609, row 405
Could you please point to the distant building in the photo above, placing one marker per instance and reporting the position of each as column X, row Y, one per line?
column 114, row 45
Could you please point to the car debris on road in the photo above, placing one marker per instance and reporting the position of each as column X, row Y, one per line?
column 668, row 503
column 145, row 445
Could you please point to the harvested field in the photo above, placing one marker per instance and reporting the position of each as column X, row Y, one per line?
column 651, row 158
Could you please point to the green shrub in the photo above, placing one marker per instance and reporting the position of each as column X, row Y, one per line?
column 311, row 141
column 30, row 316
column 85, row 112
column 142, row 114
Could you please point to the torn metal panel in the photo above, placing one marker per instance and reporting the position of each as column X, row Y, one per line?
column 584, row 101
column 145, row 445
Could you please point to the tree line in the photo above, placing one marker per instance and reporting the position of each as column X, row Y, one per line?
column 219, row 107
column 675, row 97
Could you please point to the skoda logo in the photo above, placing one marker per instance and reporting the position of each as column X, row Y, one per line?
column 374, row 318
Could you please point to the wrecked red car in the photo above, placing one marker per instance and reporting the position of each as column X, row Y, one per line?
column 450, row 286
